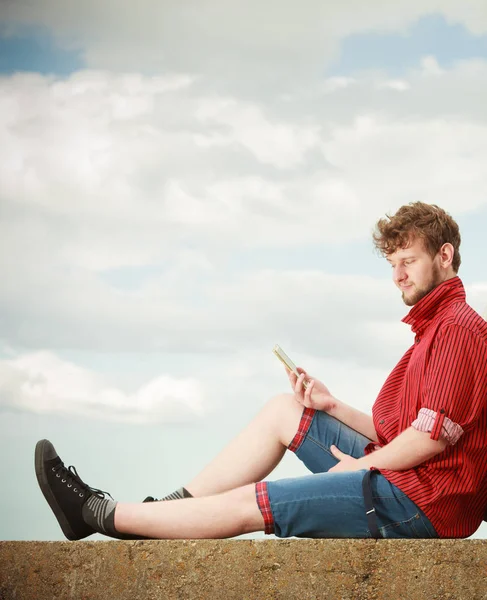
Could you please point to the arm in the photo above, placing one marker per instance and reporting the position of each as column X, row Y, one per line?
column 452, row 399
column 354, row 418
column 409, row 449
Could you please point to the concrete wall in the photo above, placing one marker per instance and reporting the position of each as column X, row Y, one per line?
column 245, row 569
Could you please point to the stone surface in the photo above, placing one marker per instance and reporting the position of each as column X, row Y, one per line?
column 245, row 569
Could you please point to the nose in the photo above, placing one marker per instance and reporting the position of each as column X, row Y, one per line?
column 399, row 274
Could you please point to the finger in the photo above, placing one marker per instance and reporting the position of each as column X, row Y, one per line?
column 292, row 377
column 306, row 374
column 299, row 383
column 307, row 394
column 337, row 453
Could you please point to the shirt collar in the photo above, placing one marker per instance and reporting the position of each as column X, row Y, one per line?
column 434, row 303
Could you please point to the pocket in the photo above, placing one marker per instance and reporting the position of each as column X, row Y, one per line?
column 411, row 528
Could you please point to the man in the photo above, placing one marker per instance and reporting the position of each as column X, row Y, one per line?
column 426, row 439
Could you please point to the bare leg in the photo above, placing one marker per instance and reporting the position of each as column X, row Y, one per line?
column 221, row 516
column 255, row 452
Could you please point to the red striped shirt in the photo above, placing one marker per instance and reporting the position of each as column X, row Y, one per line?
column 440, row 385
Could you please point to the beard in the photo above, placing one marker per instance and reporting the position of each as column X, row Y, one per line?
column 420, row 292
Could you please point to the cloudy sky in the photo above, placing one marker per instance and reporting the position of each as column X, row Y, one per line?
column 185, row 184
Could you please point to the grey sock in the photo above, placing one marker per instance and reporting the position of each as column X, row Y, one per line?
column 179, row 494
column 100, row 514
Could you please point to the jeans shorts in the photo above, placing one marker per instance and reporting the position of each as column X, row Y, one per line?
column 331, row 505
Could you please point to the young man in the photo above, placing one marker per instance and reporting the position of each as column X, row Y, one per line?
column 426, row 439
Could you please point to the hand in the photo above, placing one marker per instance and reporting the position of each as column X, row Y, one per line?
column 316, row 395
column 346, row 462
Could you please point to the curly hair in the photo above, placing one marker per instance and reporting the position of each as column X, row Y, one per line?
column 418, row 220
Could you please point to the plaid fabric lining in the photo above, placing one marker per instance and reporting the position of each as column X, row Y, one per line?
column 304, row 425
column 264, row 506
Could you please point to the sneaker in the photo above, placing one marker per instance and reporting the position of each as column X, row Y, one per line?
column 64, row 491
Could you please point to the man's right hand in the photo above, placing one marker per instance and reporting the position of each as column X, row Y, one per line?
column 316, row 395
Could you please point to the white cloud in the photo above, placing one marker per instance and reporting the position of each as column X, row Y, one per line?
column 174, row 163
column 44, row 383
column 432, row 160
column 332, row 84
column 279, row 144
column 109, row 171
column 395, row 84
column 430, row 66
column 41, row 382
column 204, row 312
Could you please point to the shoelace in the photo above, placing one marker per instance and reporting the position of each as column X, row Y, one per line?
column 70, row 475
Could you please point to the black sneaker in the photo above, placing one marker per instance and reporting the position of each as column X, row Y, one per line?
column 64, row 491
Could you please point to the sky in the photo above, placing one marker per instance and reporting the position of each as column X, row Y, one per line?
column 184, row 185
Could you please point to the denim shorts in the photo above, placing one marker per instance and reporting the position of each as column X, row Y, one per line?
column 331, row 505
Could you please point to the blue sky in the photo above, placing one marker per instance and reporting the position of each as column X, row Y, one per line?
column 37, row 51
column 175, row 202
column 429, row 35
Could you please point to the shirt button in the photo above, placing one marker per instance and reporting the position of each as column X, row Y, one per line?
column 381, row 422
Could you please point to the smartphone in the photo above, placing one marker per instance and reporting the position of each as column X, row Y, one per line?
column 284, row 358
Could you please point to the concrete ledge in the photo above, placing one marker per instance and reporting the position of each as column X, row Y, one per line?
column 253, row 569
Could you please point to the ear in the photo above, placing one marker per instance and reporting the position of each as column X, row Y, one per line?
column 446, row 255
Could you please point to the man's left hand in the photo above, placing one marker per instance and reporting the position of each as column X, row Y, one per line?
column 347, row 462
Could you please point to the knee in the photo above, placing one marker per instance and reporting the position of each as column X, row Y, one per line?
column 242, row 495
column 281, row 402
column 286, row 415
column 244, row 503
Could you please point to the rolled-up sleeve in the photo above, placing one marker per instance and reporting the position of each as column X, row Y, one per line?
column 429, row 421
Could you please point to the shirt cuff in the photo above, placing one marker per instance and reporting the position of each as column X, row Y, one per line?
column 440, row 426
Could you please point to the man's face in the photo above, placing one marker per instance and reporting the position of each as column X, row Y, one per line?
column 414, row 272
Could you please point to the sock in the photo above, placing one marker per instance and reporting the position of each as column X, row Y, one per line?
column 99, row 513
column 179, row 494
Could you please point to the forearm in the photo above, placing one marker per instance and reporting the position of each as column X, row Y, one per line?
column 407, row 450
column 355, row 419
